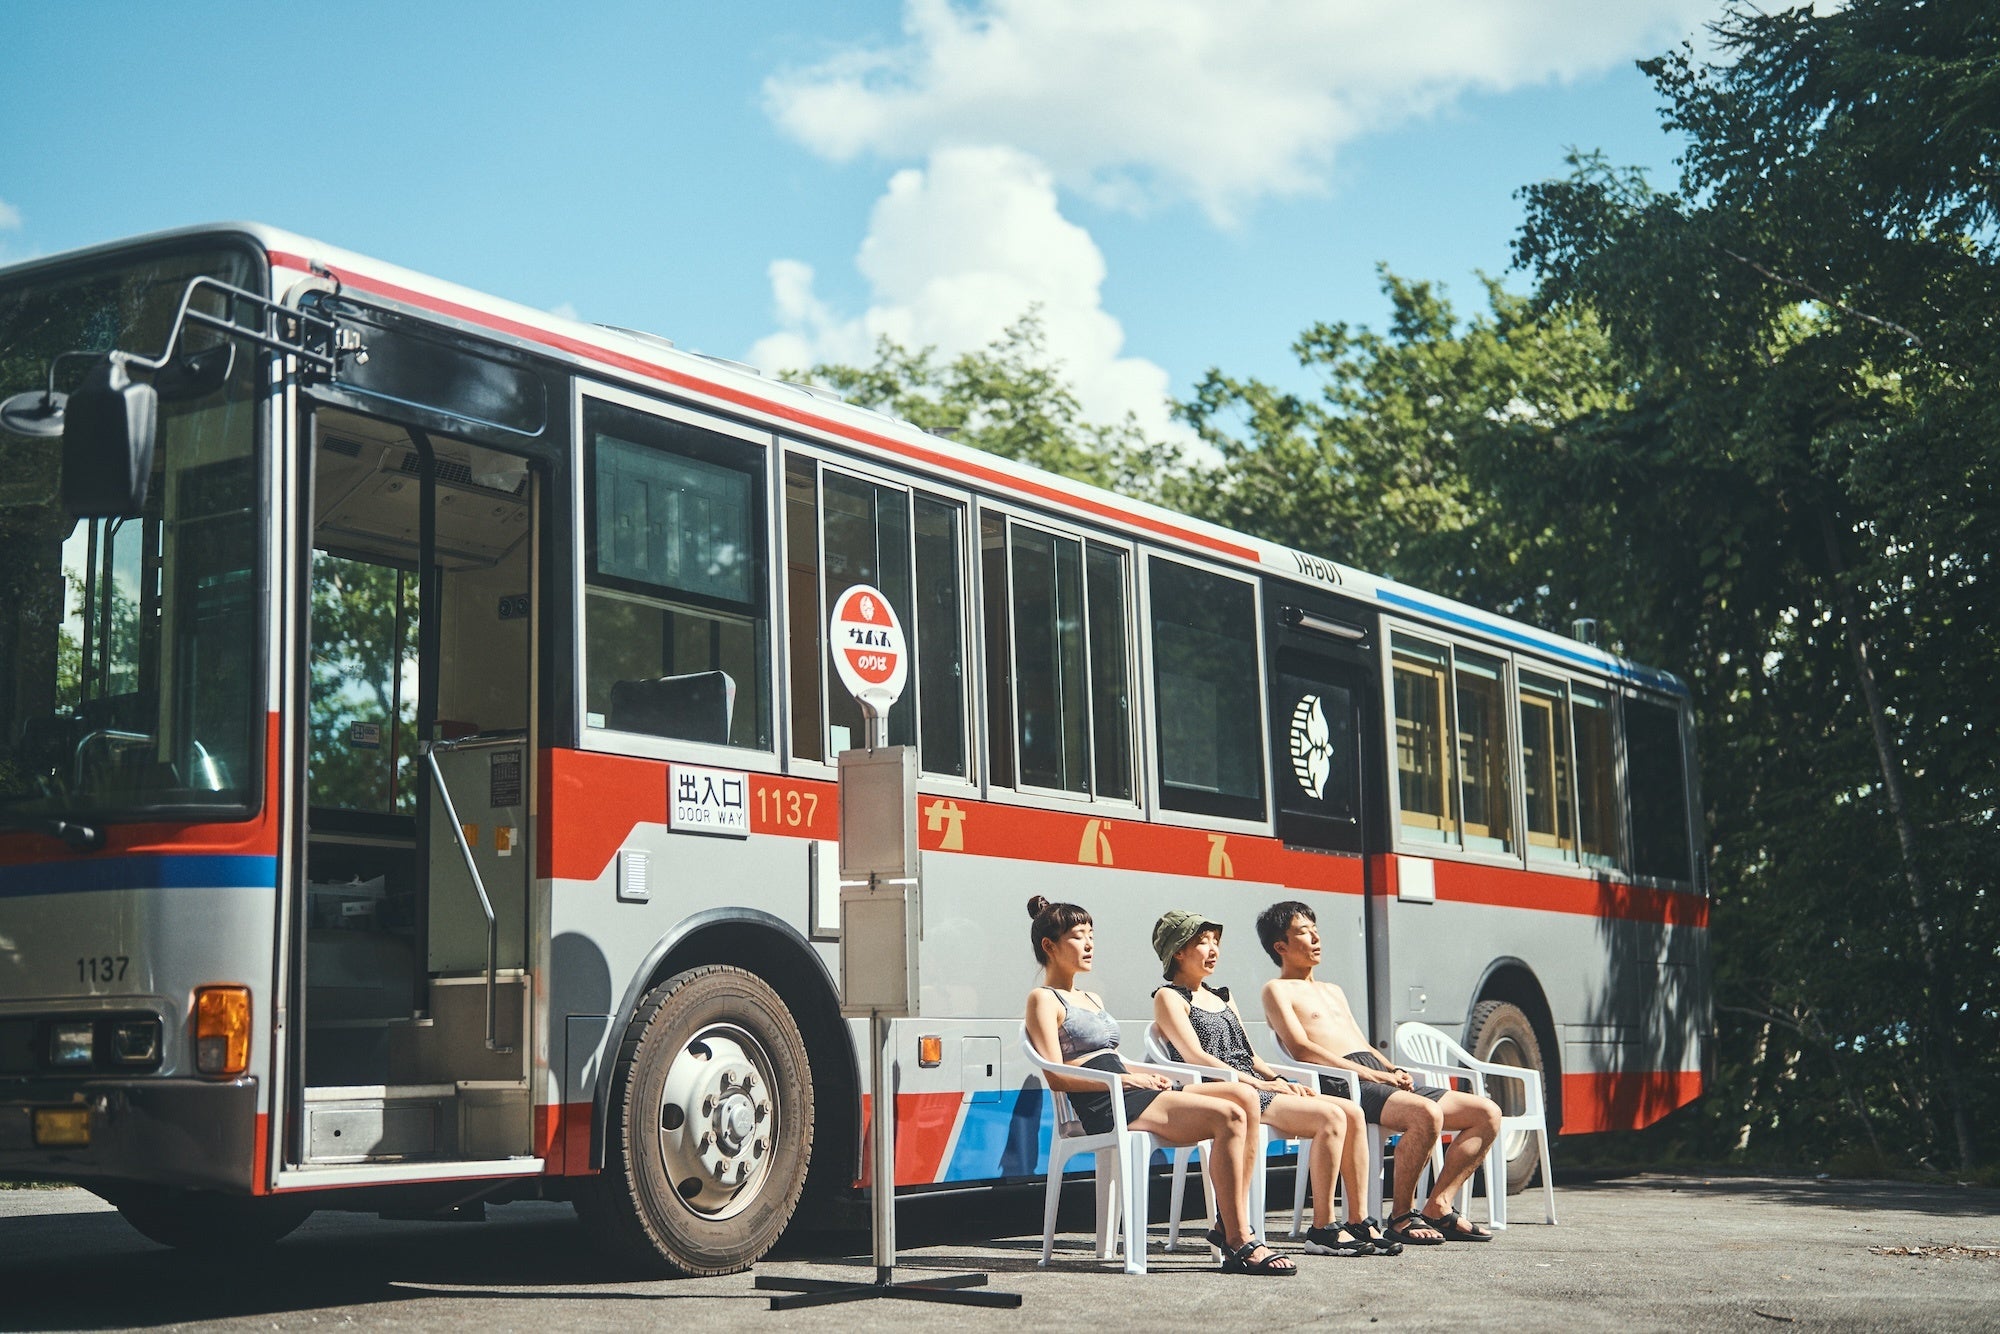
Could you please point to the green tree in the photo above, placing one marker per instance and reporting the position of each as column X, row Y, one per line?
column 1007, row 398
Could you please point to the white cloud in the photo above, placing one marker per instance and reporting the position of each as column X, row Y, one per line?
column 955, row 252
column 10, row 217
column 1219, row 101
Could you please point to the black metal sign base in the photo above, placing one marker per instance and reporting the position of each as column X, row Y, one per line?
column 951, row 1288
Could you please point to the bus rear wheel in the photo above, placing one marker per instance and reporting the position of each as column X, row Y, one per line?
column 207, row 1223
column 1500, row 1031
column 710, row 1129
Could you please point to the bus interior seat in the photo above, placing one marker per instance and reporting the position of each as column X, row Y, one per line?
column 696, row 706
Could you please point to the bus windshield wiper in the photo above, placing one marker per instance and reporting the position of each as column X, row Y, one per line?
column 82, row 837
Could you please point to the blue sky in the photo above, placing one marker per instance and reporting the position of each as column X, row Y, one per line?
column 1178, row 183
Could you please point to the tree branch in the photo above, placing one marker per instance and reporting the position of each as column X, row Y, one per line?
column 1823, row 298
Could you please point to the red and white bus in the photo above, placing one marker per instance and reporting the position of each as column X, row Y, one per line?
column 417, row 788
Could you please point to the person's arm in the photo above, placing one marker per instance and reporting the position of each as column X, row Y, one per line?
column 1266, row 1076
column 1170, row 1012
column 1285, row 1022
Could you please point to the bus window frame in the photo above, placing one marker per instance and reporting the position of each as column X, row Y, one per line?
column 1159, row 811
column 639, row 745
column 1028, row 794
column 914, row 484
column 1615, row 690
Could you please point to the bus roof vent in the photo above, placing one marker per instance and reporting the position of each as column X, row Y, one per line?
column 640, row 335
column 743, row 366
column 1584, row 630
column 818, row 391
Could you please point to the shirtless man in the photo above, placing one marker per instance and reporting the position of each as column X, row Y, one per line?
column 1314, row 1023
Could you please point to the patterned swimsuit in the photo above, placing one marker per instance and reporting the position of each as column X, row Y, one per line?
column 1221, row 1035
column 1084, row 1031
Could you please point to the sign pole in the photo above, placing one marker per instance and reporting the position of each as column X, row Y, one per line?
column 880, row 924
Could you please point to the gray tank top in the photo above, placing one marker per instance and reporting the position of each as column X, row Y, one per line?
column 1084, row 1031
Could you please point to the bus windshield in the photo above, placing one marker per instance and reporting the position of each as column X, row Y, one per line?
column 130, row 681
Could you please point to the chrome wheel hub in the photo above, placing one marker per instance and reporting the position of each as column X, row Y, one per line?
column 719, row 1118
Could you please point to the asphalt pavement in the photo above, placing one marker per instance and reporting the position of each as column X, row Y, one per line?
column 1641, row 1253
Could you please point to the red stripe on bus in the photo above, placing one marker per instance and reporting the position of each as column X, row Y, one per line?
column 596, row 800
column 813, row 421
column 1499, row 887
column 256, row 836
column 1627, row 1100
column 260, row 1151
column 924, row 1122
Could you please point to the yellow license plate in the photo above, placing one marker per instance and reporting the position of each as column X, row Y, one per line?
column 62, row 1127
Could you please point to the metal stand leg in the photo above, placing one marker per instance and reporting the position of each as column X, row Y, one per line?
column 951, row 1288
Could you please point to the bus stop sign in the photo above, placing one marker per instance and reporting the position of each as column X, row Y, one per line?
column 869, row 651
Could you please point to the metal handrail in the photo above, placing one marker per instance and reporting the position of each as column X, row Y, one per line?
column 485, row 903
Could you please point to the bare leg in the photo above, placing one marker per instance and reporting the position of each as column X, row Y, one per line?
column 1354, row 1163
column 1226, row 1115
column 1321, row 1118
column 1418, row 1120
column 1475, row 1122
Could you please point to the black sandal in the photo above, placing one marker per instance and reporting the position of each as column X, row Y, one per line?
column 1448, row 1224
column 1274, row 1265
column 1370, row 1231
column 1403, row 1228
column 1342, row 1239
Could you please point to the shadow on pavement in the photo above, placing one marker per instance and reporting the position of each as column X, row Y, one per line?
column 1859, row 1196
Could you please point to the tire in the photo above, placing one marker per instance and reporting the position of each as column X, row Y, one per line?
column 710, row 1132
column 1500, row 1032
column 204, row 1222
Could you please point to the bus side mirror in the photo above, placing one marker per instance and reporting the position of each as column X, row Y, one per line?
column 109, row 428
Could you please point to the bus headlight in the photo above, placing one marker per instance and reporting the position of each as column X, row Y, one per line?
column 72, row 1045
column 136, row 1042
column 222, row 1030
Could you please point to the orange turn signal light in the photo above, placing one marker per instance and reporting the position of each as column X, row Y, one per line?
column 930, row 1052
column 222, row 1030
column 62, row 1127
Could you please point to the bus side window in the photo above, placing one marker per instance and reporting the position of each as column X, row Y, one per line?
column 999, row 649
column 1597, row 814
column 1484, row 768
column 1110, row 672
column 865, row 536
column 804, row 617
column 1549, row 775
column 1206, row 690
column 1658, row 785
column 940, row 666
column 1425, row 793
column 676, row 612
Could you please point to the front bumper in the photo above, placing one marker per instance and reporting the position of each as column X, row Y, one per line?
column 170, row 1132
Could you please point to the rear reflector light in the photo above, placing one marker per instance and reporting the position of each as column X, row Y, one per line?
column 222, row 1030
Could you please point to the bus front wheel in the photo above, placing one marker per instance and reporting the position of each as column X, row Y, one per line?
column 710, row 1129
column 1500, row 1031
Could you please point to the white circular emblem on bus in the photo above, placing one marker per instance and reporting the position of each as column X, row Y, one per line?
column 869, row 652
column 1312, row 747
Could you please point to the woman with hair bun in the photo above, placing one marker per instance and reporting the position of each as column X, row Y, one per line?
column 1073, row 1027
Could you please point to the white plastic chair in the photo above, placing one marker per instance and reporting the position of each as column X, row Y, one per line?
column 1123, row 1163
column 1160, row 1053
column 1308, row 1073
column 1425, row 1048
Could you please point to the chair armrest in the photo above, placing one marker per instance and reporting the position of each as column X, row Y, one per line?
column 1448, row 1073
column 1309, row 1074
column 1187, row 1072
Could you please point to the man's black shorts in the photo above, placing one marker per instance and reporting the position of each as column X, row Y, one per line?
column 1375, row 1095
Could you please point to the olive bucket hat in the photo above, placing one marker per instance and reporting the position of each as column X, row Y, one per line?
column 1174, row 930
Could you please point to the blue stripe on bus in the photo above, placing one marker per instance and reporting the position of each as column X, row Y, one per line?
column 1004, row 1136
column 153, row 870
column 1607, row 664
